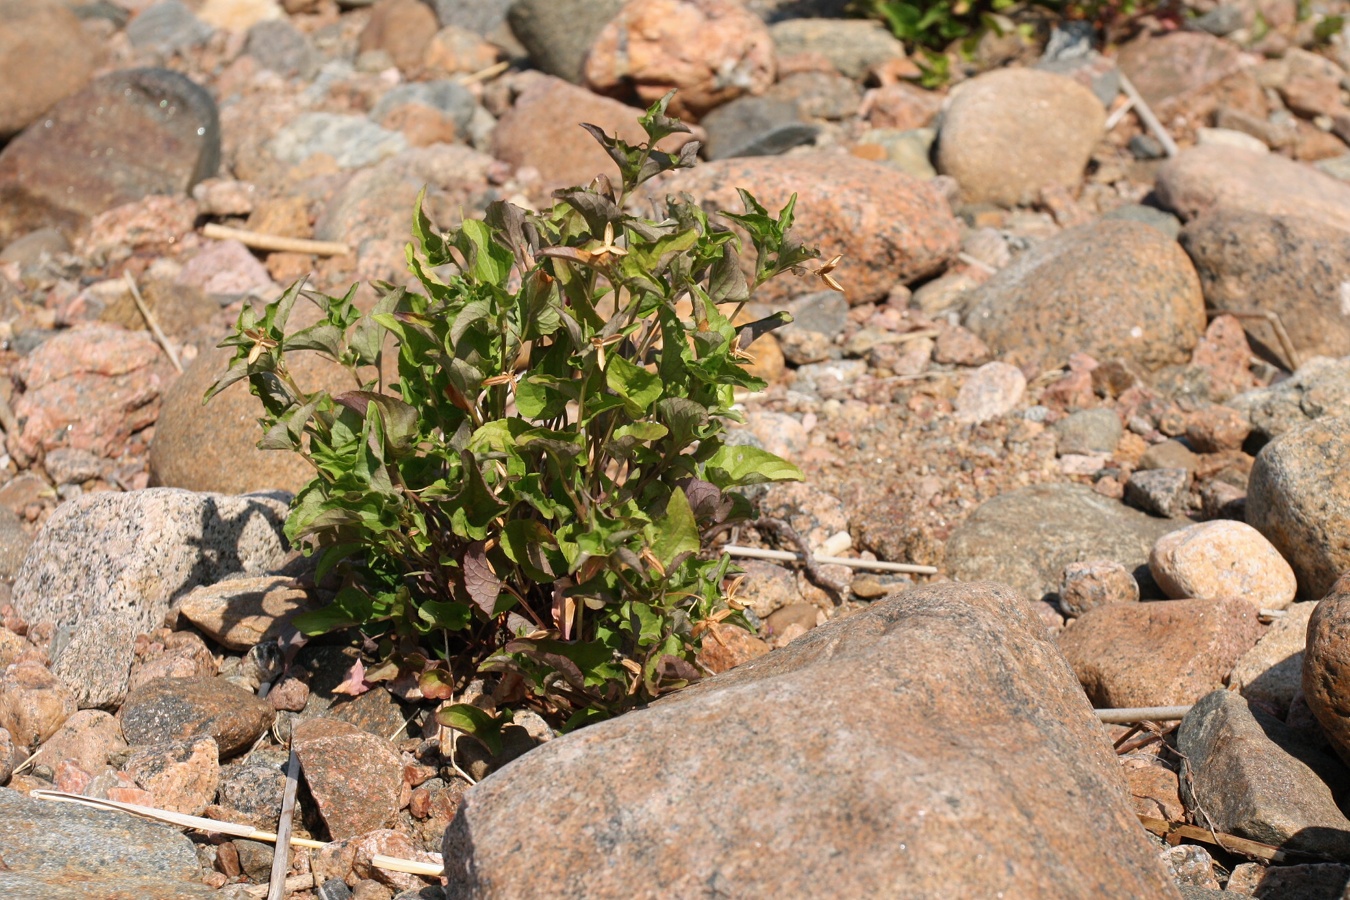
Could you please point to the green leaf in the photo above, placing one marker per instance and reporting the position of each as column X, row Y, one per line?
column 476, row 723
column 638, row 387
column 488, row 262
column 677, row 532
column 741, row 465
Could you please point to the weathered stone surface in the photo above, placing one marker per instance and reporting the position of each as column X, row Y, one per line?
column 401, row 28
column 242, row 612
column 1110, row 289
column 106, row 566
column 1298, row 499
column 1215, row 177
column 894, row 804
column 1164, row 653
column 726, row 646
column 1320, row 387
column 87, row 738
column 171, row 709
column 61, row 851
column 1026, row 537
column 89, row 388
column 1326, row 666
column 143, row 148
column 1222, row 559
column 709, row 51
column 1094, row 582
column 1011, row 132
column 1254, row 778
column 1169, row 71
column 182, row 776
column 889, row 226
column 33, row 703
column 354, row 776
column 45, row 56
column 1270, row 674
column 1294, row 266
column 992, row 390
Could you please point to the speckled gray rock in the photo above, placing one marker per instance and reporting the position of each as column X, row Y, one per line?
column 1321, row 387
column 106, row 567
column 1009, row 133
column 1165, row 222
column 166, row 28
column 1271, row 673
column 14, row 543
column 1110, row 289
column 1253, row 777
column 1026, row 537
column 446, row 96
column 354, row 142
column 894, row 786
column 559, row 33
column 1294, row 266
column 481, row 16
column 61, row 851
column 172, row 709
column 1159, row 491
column 1299, row 498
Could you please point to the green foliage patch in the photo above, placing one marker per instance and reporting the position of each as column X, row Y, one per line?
column 533, row 494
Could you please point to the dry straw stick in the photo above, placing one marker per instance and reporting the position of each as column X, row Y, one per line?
column 151, row 322
column 213, row 826
column 274, row 242
column 1131, row 716
column 875, row 565
column 281, row 859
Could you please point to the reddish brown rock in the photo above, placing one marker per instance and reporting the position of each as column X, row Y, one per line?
column 710, row 51
column 1110, row 289
column 45, row 56
column 534, row 133
column 1326, row 666
column 888, row 226
column 33, row 703
column 727, row 646
column 1222, row 559
column 171, row 709
column 1215, row 177
column 902, row 107
column 182, row 776
column 1293, row 266
column 1217, row 428
column 1164, row 653
column 89, row 389
column 902, row 802
column 355, row 777
column 86, row 739
column 1009, row 133
column 1154, row 790
column 1172, row 71
column 401, row 28
column 1092, row 583
column 213, row 447
column 179, row 654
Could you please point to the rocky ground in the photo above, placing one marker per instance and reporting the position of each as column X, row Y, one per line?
column 1100, row 382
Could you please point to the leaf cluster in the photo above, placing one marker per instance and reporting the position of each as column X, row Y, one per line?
column 533, row 490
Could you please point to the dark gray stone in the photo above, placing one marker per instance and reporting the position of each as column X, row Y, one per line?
column 558, row 33
column 1026, row 537
column 1255, row 777
column 480, row 16
column 1162, row 220
column 1159, row 491
column 852, row 45
column 755, row 126
column 334, row 889
column 278, row 45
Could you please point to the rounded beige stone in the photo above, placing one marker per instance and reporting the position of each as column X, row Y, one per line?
column 1219, row 559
